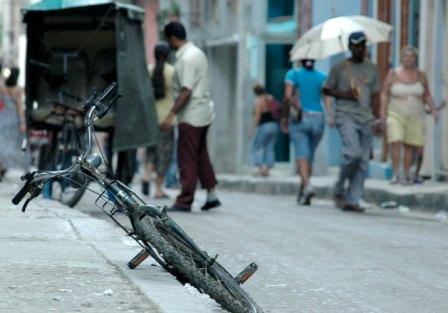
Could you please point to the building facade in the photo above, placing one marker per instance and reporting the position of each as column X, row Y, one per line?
column 248, row 42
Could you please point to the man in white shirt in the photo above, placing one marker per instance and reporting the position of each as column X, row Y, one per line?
column 194, row 110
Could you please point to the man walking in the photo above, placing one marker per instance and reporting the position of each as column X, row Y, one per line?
column 194, row 110
column 355, row 85
column 307, row 126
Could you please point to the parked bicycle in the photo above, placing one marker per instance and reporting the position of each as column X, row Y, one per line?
column 158, row 235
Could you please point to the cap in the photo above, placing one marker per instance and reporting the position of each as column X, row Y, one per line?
column 356, row 38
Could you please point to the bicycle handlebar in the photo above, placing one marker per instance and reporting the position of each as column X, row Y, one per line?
column 21, row 194
column 112, row 88
column 94, row 106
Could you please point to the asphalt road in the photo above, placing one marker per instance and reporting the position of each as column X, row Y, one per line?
column 319, row 259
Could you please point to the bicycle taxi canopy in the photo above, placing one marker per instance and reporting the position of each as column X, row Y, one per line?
column 74, row 47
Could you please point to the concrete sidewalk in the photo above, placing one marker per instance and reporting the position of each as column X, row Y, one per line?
column 57, row 259
column 430, row 196
column 47, row 266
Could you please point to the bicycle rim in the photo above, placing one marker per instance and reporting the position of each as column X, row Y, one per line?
column 64, row 193
column 213, row 280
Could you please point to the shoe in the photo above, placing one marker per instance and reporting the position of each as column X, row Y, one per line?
column 176, row 208
column 418, row 180
column 308, row 194
column 162, row 196
column 2, row 173
column 210, row 205
column 407, row 181
column 353, row 208
column 395, row 180
column 300, row 194
column 339, row 201
column 145, row 188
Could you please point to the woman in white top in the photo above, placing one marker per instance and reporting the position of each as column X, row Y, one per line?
column 404, row 95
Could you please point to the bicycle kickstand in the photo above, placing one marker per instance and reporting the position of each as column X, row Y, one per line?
column 139, row 258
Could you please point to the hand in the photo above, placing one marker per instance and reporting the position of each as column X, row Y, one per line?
column 351, row 94
column 434, row 115
column 167, row 123
column 284, row 125
column 22, row 127
column 379, row 126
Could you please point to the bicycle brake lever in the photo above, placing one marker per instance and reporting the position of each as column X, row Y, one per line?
column 104, row 112
column 34, row 193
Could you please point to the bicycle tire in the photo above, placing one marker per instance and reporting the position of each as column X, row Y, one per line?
column 214, row 281
column 74, row 199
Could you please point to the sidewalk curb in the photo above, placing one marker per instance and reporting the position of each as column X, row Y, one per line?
column 427, row 197
column 112, row 244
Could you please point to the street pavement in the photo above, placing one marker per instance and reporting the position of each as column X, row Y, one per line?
column 319, row 259
column 311, row 259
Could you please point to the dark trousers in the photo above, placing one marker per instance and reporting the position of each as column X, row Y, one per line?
column 194, row 163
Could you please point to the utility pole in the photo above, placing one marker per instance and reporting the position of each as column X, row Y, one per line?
column 304, row 16
column 12, row 29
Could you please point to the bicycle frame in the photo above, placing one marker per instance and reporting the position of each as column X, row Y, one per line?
column 86, row 166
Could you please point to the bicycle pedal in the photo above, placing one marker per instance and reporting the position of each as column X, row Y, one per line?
column 245, row 274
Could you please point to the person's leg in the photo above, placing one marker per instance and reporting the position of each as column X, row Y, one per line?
column 415, row 139
column 301, row 142
column 356, row 181
column 148, row 169
column 171, row 177
column 206, row 173
column 271, row 139
column 304, row 171
column 315, row 132
column 407, row 161
column 257, row 150
column 351, row 154
column 188, row 145
column 396, row 132
column 418, row 154
column 395, row 155
column 164, row 154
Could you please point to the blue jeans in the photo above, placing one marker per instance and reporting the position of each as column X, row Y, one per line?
column 264, row 143
column 306, row 135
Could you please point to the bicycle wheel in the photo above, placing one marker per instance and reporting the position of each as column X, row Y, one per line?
column 68, row 142
column 71, row 196
column 213, row 280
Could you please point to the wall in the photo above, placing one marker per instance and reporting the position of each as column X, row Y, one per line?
column 222, row 87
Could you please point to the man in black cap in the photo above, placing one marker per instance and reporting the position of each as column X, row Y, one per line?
column 354, row 83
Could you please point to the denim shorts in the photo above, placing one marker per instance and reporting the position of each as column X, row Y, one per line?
column 306, row 135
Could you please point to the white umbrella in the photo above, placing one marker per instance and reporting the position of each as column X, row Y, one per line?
column 331, row 37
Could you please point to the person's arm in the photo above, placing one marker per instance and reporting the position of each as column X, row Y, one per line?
column 385, row 95
column 329, row 112
column 20, row 109
column 180, row 103
column 375, row 103
column 330, row 88
column 287, row 97
column 427, row 98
